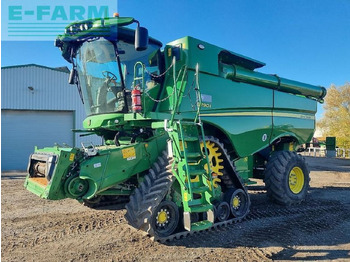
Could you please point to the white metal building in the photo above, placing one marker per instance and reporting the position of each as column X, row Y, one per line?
column 38, row 108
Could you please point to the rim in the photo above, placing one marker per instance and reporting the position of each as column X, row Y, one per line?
column 236, row 202
column 166, row 219
column 296, row 180
column 215, row 160
column 162, row 217
column 239, row 203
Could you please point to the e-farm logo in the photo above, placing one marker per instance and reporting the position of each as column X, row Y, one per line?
column 44, row 20
column 55, row 13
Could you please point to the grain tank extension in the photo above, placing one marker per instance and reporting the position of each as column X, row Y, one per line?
column 185, row 128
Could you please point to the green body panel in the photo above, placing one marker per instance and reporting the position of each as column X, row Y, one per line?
column 106, row 121
column 114, row 165
column 111, row 166
column 252, row 116
column 244, row 166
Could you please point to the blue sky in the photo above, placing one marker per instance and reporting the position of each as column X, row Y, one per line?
column 308, row 41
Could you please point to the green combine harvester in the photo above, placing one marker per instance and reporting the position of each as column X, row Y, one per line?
column 184, row 130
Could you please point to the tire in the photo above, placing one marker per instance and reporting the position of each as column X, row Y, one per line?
column 222, row 211
column 149, row 195
column 165, row 219
column 287, row 178
column 238, row 201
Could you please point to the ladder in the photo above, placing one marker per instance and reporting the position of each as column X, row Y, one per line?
column 192, row 168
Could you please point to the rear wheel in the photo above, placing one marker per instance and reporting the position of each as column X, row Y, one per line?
column 287, row 178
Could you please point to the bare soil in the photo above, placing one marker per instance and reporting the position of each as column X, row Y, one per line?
column 34, row 229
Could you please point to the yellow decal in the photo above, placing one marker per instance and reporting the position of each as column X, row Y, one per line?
column 291, row 146
column 181, row 146
column 185, row 196
column 71, row 157
column 129, row 153
column 169, row 51
column 207, row 105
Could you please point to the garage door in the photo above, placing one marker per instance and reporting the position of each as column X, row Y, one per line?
column 22, row 130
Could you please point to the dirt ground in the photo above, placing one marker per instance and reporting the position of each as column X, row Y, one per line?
column 34, row 229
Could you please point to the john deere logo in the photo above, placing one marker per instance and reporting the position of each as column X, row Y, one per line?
column 264, row 137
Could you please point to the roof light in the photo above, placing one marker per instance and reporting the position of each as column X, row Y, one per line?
column 115, row 14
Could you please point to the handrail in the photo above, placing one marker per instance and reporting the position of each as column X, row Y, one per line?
column 198, row 95
column 177, row 96
column 140, row 79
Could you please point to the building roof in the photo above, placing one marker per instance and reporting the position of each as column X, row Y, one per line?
column 63, row 69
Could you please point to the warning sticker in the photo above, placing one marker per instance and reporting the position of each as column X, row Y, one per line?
column 97, row 165
column 181, row 146
column 129, row 153
column 71, row 157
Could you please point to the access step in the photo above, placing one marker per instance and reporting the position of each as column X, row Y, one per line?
column 193, row 155
column 198, row 190
column 200, row 208
column 201, row 225
column 196, row 172
column 188, row 123
column 191, row 139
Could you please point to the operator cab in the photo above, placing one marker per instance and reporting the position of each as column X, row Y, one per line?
column 109, row 61
column 105, row 80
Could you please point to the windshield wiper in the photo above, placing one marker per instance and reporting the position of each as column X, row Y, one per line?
column 119, row 66
column 125, row 109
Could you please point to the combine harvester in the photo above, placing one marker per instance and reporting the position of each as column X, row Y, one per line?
column 185, row 128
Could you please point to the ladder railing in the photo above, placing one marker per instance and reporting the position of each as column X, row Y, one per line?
column 197, row 184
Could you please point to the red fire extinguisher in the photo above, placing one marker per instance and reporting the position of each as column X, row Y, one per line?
column 136, row 100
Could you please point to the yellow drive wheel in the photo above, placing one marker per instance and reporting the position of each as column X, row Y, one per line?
column 296, row 180
column 215, row 160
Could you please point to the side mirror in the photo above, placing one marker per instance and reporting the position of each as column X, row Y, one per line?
column 141, row 38
column 72, row 76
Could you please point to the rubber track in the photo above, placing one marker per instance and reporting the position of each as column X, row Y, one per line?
column 154, row 188
column 318, row 208
column 106, row 203
column 149, row 194
column 227, row 183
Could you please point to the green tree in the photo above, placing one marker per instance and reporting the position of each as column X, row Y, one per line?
column 336, row 117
